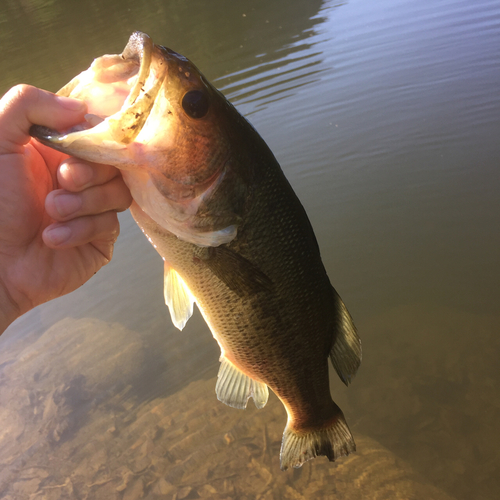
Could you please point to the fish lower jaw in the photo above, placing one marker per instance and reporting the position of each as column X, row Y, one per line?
column 92, row 144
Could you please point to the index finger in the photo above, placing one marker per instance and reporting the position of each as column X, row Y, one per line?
column 24, row 105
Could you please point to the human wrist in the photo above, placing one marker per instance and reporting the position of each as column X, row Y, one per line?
column 9, row 310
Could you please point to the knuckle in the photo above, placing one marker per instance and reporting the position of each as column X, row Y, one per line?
column 16, row 96
column 23, row 92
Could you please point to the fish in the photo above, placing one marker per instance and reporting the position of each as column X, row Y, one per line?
column 235, row 239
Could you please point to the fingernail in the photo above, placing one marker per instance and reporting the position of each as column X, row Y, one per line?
column 67, row 204
column 58, row 234
column 71, row 104
column 81, row 173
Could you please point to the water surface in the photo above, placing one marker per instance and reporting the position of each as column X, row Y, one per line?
column 385, row 118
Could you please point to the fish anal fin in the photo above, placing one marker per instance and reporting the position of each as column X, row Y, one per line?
column 178, row 297
column 332, row 441
column 234, row 388
column 345, row 353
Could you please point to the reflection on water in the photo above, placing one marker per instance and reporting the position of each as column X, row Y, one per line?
column 271, row 80
column 385, row 117
column 276, row 73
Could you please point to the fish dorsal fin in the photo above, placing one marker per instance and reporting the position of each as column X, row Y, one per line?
column 345, row 354
column 178, row 297
column 234, row 388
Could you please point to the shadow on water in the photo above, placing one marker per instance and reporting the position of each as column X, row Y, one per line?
column 385, row 118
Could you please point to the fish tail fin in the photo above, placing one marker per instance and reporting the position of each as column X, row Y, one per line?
column 333, row 441
column 345, row 353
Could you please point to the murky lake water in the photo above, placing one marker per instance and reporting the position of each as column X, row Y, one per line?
column 385, row 117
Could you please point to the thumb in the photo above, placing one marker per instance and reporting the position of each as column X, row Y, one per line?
column 24, row 105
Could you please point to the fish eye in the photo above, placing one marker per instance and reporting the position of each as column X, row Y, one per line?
column 195, row 103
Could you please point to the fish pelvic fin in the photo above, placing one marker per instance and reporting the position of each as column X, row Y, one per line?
column 234, row 388
column 178, row 297
column 345, row 353
column 333, row 441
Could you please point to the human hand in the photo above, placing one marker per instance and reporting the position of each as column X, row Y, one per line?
column 58, row 215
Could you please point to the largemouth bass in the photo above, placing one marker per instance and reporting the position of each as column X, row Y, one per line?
column 212, row 199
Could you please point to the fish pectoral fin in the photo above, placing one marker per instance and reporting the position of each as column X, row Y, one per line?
column 178, row 297
column 237, row 272
column 234, row 388
column 345, row 353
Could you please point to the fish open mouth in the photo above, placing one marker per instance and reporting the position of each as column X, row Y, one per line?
column 120, row 90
